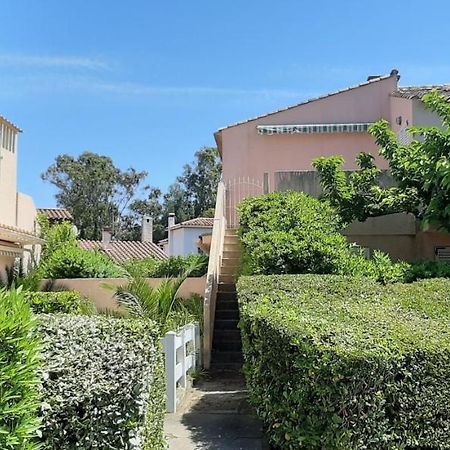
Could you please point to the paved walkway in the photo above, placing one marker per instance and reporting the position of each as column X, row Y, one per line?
column 216, row 416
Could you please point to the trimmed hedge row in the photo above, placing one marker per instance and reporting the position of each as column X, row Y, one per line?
column 342, row 363
column 19, row 361
column 103, row 384
column 68, row 302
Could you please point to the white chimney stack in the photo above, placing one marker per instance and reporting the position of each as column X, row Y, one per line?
column 106, row 235
column 147, row 229
column 171, row 221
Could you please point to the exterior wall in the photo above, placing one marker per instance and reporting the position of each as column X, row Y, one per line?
column 183, row 241
column 401, row 111
column 245, row 153
column 423, row 116
column 8, row 186
column 94, row 288
column 25, row 212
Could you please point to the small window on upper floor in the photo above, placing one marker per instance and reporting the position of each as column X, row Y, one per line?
column 8, row 138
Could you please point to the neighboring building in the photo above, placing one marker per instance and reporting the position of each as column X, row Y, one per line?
column 186, row 238
column 56, row 215
column 274, row 152
column 122, row 251
column 18, row 237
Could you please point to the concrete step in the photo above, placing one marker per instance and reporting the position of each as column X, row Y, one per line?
column 231, row 232
column 226, row 296
column 226, row 288
column 227, row 335
column 226, row 305
column 229, row 270
column 227, row 279
column 226, row 360
column 227, row 346
column 226, row 324
column 225, row 314
column 233, row 254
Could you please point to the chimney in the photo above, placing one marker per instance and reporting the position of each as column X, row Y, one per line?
column 171, row 221
column 147, row 229
column 106, row 235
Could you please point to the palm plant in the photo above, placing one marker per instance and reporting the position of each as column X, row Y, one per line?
column 161, row 304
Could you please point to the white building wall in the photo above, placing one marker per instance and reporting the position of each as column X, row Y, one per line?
column 183, row 241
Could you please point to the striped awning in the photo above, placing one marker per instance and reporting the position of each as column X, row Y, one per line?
column 320, row 128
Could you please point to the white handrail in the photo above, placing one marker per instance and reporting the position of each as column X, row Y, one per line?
column 212, row 279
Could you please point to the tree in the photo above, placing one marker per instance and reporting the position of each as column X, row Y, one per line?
column 421, row 170
column 192, row 195
column 93, row 189
column 200, row 180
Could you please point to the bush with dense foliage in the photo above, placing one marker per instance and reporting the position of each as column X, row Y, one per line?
column 174, row 266
column 290, row 233
column 68, row 302
column 335, row 362
column 103, row 384
column 19, row 360
column 74, row 262
column 293, row 233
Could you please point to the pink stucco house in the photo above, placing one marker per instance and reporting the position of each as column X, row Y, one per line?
column 274, row 152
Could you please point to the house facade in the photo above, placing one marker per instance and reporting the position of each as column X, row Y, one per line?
column 18, row 237
column 274, row 152
column 190, row 237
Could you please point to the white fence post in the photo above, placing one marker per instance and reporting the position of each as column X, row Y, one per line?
column 171, row 362
column 179, row 361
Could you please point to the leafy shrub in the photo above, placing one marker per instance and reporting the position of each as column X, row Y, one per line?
column 334, row 362
column 103, row 384
column 69, row 302
column 57, row 236
column 74, row 262
column 427, row 269
column 19, row 360
column 174, row 266
column 290, row 233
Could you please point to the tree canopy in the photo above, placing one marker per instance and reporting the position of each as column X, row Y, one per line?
column 99, row 194
column 421, row 170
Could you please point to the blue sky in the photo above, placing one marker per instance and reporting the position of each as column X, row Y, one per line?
column 149, row 82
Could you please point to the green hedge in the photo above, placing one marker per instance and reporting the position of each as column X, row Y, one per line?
column 19, row 360
column 290, row 233
column 103, row 384
column 74, row 262
column 174, row 266
column 68, row 302
column 342, row 363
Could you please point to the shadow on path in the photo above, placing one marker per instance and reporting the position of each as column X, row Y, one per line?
column 216, row 417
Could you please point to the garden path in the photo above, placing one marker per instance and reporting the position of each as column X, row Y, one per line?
column 216, row 416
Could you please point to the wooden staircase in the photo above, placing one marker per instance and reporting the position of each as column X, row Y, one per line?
column 227, row 345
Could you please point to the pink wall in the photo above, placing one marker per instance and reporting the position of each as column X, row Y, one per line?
column 245, row 153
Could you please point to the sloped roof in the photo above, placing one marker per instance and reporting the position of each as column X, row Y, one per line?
column 418, row 92
column 122, row 251
column 198, row 222
column 56, row 214
column 18, row 235
column 394, row 72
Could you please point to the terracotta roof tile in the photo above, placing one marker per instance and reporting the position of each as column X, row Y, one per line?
column 56, row 213
column 198, row 222
column 418, row 92
column 122, row 251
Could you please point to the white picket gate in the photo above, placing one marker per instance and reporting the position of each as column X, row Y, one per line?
column 182, row 354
